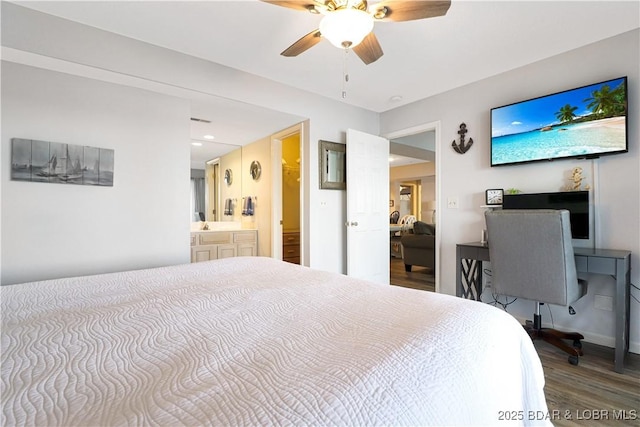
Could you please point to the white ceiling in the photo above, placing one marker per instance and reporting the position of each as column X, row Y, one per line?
column 396, row 160
column 473, row 41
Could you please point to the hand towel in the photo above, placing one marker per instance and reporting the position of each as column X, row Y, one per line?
column 228, row 207
column 247, row 208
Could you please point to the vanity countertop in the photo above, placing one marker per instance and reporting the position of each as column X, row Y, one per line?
column 218, row 226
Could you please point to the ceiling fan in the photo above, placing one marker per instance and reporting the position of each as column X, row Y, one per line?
column 348, row 24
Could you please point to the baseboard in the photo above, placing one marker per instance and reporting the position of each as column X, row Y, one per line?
column 634, row 347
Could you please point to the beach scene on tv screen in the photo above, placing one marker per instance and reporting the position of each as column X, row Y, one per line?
column 586, row 121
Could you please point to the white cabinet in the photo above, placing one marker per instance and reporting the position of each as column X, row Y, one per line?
column 247, row 249
column 247, row 243
column 227, row 251
column 209, row 245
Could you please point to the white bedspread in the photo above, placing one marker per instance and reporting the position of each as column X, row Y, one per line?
column 255, row 341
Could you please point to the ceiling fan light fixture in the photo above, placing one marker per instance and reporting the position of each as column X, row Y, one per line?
column 346, row 28
column 381, row 13
column 313, row 9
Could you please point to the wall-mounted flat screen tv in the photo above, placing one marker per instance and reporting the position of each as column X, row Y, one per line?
column 586, row 122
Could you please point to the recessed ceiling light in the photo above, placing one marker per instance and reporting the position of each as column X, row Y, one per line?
column 391, row 159
column 197, row 144
column 209, row 137
column 395, row 98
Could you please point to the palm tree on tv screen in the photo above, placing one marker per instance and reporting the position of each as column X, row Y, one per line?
column 606, row 102
column 566, row 114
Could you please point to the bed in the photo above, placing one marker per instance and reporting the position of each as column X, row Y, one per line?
column 253, row 341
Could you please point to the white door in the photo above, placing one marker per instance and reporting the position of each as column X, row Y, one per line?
column 367, row 206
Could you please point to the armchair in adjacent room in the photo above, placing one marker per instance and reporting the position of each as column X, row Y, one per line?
column 419, row 247
column 532, row 258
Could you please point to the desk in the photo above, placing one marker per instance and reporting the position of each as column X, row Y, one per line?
column 615, row 263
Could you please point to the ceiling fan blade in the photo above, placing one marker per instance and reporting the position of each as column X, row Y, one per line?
column 307, row 5
column 409, row 10
column 369, row 49
column 305, row 42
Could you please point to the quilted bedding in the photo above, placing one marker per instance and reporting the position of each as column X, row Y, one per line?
column 254, row 341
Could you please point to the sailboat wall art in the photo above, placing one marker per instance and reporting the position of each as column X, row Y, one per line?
column 43, row 161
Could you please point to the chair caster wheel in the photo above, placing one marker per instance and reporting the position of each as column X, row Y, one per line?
column 573, row 360
column 577, row 344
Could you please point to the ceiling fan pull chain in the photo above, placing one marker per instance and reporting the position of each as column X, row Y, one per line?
column 345, row 73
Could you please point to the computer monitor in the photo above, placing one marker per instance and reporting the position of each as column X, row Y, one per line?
column 576, row 202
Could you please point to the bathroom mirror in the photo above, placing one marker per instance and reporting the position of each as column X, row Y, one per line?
column 225, row 187
column 333, row 165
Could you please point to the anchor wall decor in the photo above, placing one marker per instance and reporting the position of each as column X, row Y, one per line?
column 462, row 147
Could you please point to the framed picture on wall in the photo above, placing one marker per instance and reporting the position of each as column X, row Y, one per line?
column 332, row 163
column 61, row 163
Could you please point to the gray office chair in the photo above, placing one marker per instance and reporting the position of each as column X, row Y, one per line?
column 532, row 258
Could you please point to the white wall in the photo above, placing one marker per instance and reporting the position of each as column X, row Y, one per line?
column 617, row 184
column 56, row 230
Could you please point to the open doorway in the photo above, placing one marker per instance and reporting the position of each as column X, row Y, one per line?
column 413, row 190
column 409, row 197
column 291, row 198
column 287, row 237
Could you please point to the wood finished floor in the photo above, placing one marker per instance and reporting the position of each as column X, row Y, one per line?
column 592, row 388
column 576, row 393
column 421, row 278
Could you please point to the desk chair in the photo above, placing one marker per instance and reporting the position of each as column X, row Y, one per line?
column 532, row 258
column 407, row 220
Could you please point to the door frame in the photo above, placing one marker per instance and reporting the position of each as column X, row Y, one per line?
column 427, row 127
column 276, row 190
column 212, row 189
